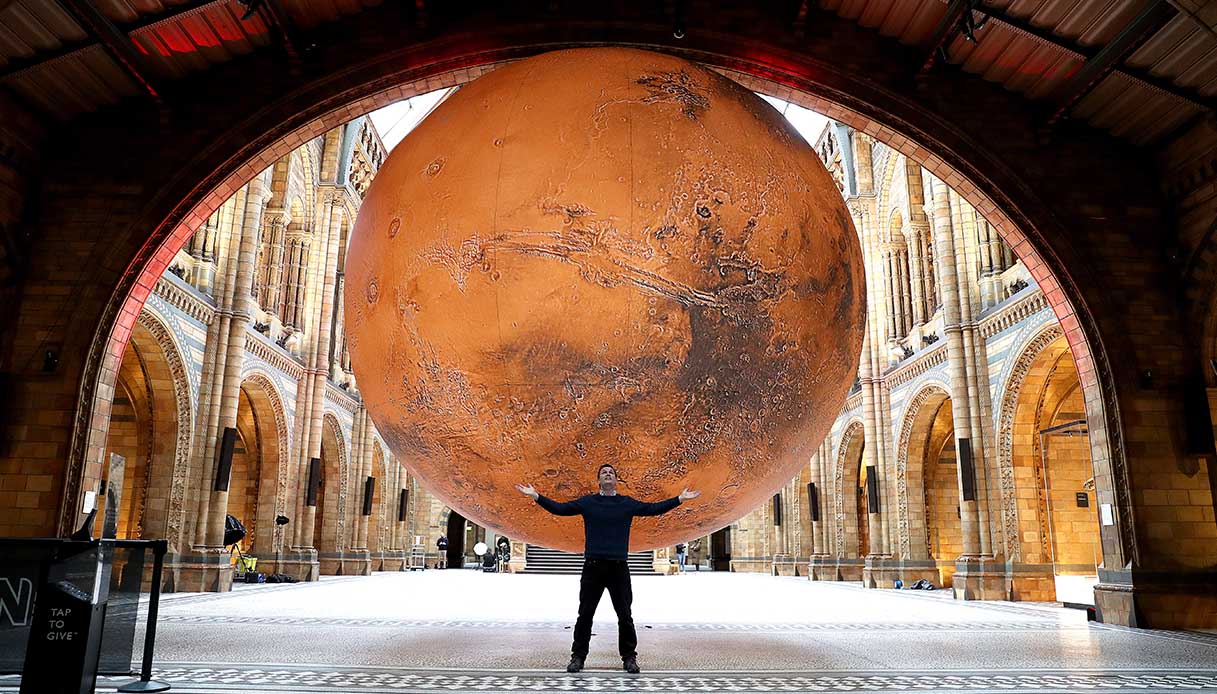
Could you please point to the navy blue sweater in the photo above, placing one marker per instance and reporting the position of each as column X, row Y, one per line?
column 606, row 520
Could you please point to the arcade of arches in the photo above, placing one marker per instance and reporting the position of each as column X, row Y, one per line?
column 1024, row 420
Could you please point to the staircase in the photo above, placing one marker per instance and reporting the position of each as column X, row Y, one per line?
column 542, row 560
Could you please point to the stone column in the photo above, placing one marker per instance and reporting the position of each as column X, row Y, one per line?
column 974, row 578
column 203, row 248
column 328, row 256
column 338, row 342
column 272, row 276
column 948, row 282
column 889, row 276
column 362, row 465
column 916, row 275
column 214, row 358
column 967, row 249
column 870, row 428
column 242, row 310
column 827, row 522
column 204, row 566
column 198, row 241
column 359, row 447
column 819, row 563
column 882, row 314
column 984, row 448
column 370, row 524
column 906, row 302
column 933, row 292
column 291, row 281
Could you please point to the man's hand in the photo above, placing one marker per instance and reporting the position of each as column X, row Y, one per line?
column 686, row 495
column 527, row 490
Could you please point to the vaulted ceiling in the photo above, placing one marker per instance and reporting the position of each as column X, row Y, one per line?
column 1139, row 69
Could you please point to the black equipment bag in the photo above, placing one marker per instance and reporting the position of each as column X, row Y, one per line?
column 234, row 531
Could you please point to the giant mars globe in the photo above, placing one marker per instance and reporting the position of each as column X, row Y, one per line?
column 604, row 256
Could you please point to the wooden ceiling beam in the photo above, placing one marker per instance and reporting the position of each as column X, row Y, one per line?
column 116, row 43
column 15, row 67
column 946, row 28
column 1084, row 53
column 1152, row 19
column 277, row 17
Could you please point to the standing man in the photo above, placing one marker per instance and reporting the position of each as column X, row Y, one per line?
column 504, row 553
column 442, row 545
column 606, row 541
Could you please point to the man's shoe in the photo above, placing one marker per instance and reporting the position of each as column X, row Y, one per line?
column 630, row 665
column 576, row 664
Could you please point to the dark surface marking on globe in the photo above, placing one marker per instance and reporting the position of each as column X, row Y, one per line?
column 667, row 87
column 730, row 376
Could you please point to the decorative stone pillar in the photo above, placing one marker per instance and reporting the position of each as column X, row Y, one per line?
column 270, row 270
column 203, row 250
column 889, row 276
column 882, row 312
column 906, row 302
column 360, row 560
column 293, row 283
column 976, row 576
column 242, row 311
column 916, row 276
column 206, row 566
column 199, row 566
column 821, row 564
column 338, row 341
column 869, row 367
column 317, row 371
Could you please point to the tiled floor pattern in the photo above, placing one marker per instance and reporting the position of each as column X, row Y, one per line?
column 463, row 631
column 237, row 621
column 234, row 679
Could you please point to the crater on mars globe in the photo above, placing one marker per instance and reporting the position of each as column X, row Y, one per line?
column 604, row 256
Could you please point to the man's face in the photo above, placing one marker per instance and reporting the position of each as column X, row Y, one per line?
column 608, row 477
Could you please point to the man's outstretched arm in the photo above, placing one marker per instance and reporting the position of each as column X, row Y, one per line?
column 569, row 508
column 660, row 507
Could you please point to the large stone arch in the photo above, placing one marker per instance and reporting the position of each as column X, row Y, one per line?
column 333, row 537
column 1028, row 353
column 917, row 415
column 845, row 479
column 992, row 174
column 182, row 432
column 1049, row 463
column 273, row 500
column 378, row 533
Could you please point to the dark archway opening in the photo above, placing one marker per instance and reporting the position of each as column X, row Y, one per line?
column 720, row 550
column 456, row 541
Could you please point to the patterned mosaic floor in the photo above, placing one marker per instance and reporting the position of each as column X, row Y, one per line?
column 472, row 632
column 278, row 679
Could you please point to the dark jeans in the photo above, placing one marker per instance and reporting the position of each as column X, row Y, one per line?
column 599, row 574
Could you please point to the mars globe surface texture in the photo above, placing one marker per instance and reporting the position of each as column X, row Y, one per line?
column 604, row 256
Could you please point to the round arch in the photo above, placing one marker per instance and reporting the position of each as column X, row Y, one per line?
column 260, row 391
column 329, row 526
column 910, row 467
column 1049, row 458
column 1028, row 354
column 845, row 481
column 170, row 479
column 912, row 126
column 378, row 532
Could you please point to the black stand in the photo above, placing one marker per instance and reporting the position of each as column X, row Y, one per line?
column 145, row 683
column 65, row 639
